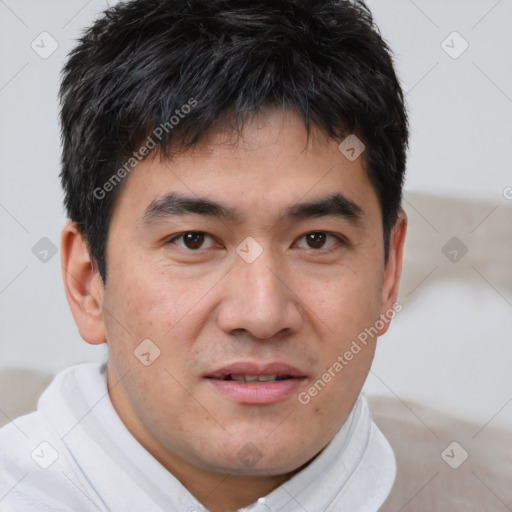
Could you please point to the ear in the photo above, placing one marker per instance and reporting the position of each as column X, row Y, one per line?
column 83, row 285
column 393, row 269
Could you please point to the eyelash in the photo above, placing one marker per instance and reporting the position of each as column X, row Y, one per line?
column 341, row 240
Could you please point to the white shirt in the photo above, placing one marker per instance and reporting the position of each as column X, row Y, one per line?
column 74, row 454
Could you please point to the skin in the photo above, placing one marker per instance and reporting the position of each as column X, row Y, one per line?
column 295, row 303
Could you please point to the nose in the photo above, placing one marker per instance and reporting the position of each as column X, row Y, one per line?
column 260, row 298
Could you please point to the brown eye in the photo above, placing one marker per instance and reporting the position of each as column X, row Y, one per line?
column 316, row 240
column 319, row 240
column 193, row 240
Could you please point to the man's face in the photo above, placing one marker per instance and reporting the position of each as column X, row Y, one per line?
column 266, row 289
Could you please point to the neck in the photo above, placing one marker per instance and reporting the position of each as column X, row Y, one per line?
column 226, row 493
column 218, row 492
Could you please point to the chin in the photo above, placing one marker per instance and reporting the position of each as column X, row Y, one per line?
column 260, row 459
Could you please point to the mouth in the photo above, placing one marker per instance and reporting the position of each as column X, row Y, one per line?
column 253, row 383
column 254, row 378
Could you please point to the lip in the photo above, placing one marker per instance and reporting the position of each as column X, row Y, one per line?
column 253, row 368
column 257, row 392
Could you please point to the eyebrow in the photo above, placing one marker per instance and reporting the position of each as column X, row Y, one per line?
column 176, row 204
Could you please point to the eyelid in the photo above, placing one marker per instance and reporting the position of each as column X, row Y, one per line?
column 342, row 240
column 173, row 238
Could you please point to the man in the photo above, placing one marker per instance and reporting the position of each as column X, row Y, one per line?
column 232, row 174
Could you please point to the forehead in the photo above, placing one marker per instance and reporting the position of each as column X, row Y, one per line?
column 259, row 172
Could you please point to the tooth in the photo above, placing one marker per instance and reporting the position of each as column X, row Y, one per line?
column 238, row 378
column 267, row 378
column 251, row 378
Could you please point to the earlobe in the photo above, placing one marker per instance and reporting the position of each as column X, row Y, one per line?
column 83, row 285
column 393, row 269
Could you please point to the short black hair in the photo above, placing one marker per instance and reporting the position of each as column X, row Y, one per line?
column 178, row 68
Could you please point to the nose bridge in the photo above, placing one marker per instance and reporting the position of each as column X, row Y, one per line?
column 264, row 286
column 258, row 300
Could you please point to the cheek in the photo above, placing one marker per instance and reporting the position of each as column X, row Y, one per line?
column 149, row 302
column 157, row 306
column 133, row 307
column 345, row 303
column 344, row 309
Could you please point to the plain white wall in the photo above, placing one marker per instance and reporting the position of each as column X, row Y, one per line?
column 461, row 123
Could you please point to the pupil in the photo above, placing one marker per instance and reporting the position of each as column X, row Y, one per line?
column 193, row 240
column 316, row 240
